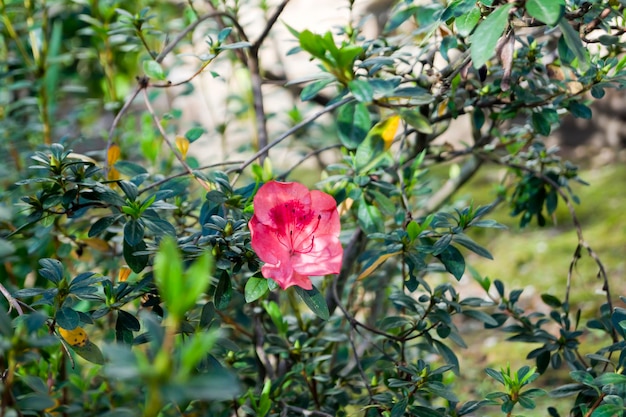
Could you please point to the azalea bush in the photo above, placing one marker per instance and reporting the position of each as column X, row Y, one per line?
column 311, row 265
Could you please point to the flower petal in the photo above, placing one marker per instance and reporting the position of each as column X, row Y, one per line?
column 266, row 244
column 273, row 194
column 285, row 276
column 324, row 258
column 326, row 206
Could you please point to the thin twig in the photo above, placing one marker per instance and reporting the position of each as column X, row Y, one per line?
column 305, row 157
column 358, row 364
column 353, row 321
column 256, row 81
column 451, row 186
column 183, row 82
column 140, row 86
column 257, row 98
column 288, row 133
column 268, row 26
column 182, row 174
column 582, row 243
column 305, row 412
column 13, row 303
column 157, row 122
column 170, row 46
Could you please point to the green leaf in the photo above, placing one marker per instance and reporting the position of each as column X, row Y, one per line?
column 579, row 110
column 370, row 218
column 567, row 390
column 153, row 69
column 448, row 355
column 374, row 263
column 399, row 17
column 194, row 134
column 345, row 57
column 180, row 290
column 541, row 124
column 417, row 120
column 422, row 411
column 315, row 301
column 487, row 34
column 255, row 289
column 546, row 11
column 198, row 277
column 34, row 402
column 466, row 23
column 127, row 321
column 361, row 90
column 458, row 8
column 399, row 408
column 223, row 292
column 277, row 317
column 51, row 269
column 610, row 378
column 471, row 245
column 6, row 248
column 130, row 168
column 136, row 262
column 481, row 316
column 224, row 34
column 453, row 260
column 353, row 123
column 67, row 318
column 130, row 190
column 312, row 43
column 133, row 232
column 235, row 45
column 194, row 350
column 368, row 152
column 575, row 45
column 551, row 300
column 102, row 224
column 90, row 352
column 168, row 274
column 311, row 90
column 413, row 230
column 608, row 410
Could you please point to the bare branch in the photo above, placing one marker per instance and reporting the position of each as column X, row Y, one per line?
column 13, row 303
column 170, row 46
column 307, row 156
column 288, row 133
column 140, row 86
column 582, row 243
column 157, row 122
column 182, row 174
column 270, row 23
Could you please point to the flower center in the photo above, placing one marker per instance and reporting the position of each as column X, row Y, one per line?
column 295, row 226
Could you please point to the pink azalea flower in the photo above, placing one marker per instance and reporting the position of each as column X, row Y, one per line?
column 296, row 233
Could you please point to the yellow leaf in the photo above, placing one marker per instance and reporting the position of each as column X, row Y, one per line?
column 100, row 245
column 122, row 276
column 441, row 109
column 113, row 154
column 574, row 87
column 389, row 129
column 113, row 175
column 182, row 144
column 82, row 157
column 378, row 262
column 75, row 337
column 344, row 207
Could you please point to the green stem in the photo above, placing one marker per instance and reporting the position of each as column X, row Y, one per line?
column 13, row 34
column 296, row 309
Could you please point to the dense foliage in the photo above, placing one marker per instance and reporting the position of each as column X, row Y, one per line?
column 130, row 283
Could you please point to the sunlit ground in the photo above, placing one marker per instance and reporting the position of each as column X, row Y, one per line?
column 537, row 260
